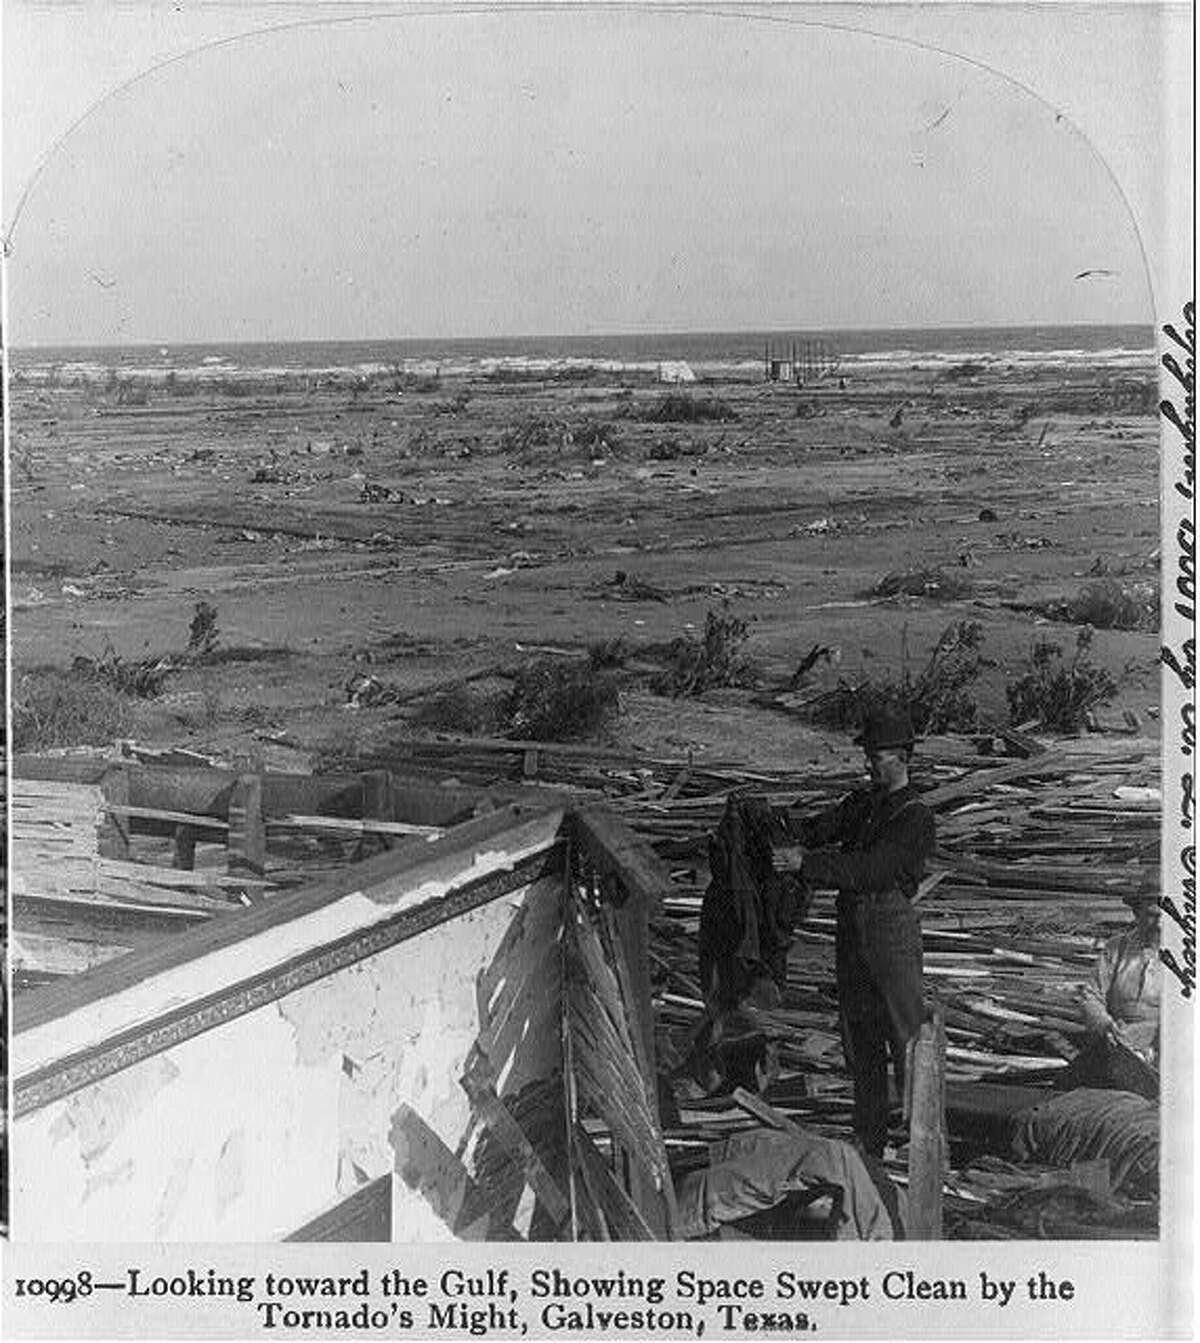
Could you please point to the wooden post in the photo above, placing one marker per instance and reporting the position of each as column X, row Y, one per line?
column 185, row 848
column 247, row 833
column 112, row 833
column 376, row 806
column 926, row 1090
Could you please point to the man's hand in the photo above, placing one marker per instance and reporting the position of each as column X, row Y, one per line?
column 788, row 858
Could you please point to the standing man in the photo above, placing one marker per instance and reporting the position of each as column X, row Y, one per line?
column 884, row 835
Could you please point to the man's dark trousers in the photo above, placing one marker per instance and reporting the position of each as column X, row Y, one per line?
column 880, row 998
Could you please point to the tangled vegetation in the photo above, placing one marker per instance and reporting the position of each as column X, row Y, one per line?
column 1109, row 604
column 696, row 665
column 683, row 408
column 1057, row 693
column 553, row 700
column 939, row 698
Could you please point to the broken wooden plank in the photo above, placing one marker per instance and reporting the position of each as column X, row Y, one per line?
column 477, row 1082
column 189, row 818
column 424, row 1164
column 350, row 826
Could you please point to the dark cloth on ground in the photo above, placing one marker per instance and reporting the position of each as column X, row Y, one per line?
column 749, row 909
column 1090, row 1124
column 1109, row 1064
column 758, row 1169
column 885, row 840
column 730, row 1051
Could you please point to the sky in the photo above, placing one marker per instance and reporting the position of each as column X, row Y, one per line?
column 171, row 174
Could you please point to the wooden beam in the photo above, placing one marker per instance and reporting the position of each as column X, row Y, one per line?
column 624, row 1219
column 617, row 853
column 926, row 1089
column 365, row 1215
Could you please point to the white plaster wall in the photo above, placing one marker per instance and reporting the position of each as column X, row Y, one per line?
column 249, row 1130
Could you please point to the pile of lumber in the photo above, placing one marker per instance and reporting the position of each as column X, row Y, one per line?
column 1036, row 847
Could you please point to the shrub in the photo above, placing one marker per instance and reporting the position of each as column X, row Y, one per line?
column 608, row 654
column 1057, row 693
column 587, row 435
column 683, row 408
column 1111, row 605
column 596, row 434
column 694, row 666
column 202, row 633
column 142, row 679
column 56, row 708
column 560, row 701
column 937, row 699
column 459, row 708
column 534, row 433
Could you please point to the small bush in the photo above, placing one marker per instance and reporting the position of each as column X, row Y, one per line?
column 54, row 708
column 131, row 393
column 143, row 679
column 694, row 666
column 587, row 435
column 1057, row 693
column 1111, row 605
column 969, row 368
column 939, row 700
column 421, row 383
column 461, row 709
column 596, row 435
column 608, row 654
column 202, row 633
column 560, row 701
column 534, row 433
column 682, row 408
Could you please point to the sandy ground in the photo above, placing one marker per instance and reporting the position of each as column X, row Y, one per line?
column 418, row 536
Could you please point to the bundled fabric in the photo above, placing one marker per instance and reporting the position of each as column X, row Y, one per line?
column 749, row 909
column 1089, row 1124
column 757, row 1170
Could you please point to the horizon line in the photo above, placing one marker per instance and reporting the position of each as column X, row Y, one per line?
column 564, row 335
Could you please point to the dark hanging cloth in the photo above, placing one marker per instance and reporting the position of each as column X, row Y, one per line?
column 749, row 909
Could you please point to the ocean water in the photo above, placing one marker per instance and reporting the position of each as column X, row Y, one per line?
column 707, row 353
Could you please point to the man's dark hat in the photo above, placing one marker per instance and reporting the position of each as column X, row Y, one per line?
column 886, row 728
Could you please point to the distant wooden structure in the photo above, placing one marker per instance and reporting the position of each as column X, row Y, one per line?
column 803, row 362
